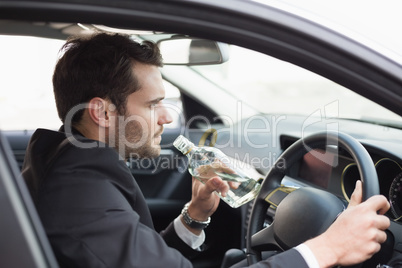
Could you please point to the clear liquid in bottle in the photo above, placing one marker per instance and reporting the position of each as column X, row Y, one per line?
column 207, row 162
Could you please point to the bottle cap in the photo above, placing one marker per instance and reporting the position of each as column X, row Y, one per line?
column 183, row 144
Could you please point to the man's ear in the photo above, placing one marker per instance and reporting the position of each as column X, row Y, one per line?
column 99, row 112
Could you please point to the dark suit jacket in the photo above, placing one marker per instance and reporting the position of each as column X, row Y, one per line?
column 93, row 211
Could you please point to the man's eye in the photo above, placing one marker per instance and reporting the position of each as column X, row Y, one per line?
column 157, row 104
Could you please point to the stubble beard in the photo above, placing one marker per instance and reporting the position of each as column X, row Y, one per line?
column 133, row 142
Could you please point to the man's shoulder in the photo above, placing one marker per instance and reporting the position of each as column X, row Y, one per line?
column 79, row 149
column 49, row 150
column 45, row 142
column 50, row 138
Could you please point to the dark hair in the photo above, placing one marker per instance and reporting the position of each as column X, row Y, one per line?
column 99, row 66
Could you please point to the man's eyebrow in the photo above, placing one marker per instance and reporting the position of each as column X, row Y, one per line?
column 156, row 100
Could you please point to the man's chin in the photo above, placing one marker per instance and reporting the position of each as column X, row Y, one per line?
column 156, row 150
column 152, row 152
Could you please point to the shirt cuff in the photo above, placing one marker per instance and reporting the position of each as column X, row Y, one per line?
column 194, row 241
column 307, row 255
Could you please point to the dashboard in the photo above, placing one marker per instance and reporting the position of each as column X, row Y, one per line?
column 335, row 170
column 338, row 172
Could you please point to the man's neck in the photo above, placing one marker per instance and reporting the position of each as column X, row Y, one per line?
column 90, row 131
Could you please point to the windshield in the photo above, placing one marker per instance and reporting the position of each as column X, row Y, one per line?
column 272, row 86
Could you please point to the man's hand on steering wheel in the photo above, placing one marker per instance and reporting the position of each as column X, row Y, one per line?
column 356, row 234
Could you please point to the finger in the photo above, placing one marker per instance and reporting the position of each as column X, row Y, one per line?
column 234, row 185
column 385, row 206
column 222, row 167
column 223, row 188
column 199, row 180
column 378, row 203
column 382, row 222
column 357, row 194
column 381, row 237
column 216, row 184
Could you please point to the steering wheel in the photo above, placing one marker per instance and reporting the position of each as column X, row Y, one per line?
column 305, row 212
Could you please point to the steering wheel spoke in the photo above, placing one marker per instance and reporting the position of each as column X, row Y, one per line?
column 265, row 240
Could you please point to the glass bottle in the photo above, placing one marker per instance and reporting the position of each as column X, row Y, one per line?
column 207, row 162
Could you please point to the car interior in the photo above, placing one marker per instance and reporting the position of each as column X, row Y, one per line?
column 317, row 146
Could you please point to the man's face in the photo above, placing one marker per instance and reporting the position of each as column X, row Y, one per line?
column 138, row 132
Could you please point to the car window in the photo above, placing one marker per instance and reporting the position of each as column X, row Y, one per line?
column 273, row 86
column 26, row 99
column 26, row 92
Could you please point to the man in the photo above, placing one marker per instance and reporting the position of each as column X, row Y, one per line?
column 109, row 93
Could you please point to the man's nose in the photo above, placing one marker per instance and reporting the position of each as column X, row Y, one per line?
column 164, row 116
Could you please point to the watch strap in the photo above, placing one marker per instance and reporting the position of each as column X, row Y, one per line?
column 192, row 222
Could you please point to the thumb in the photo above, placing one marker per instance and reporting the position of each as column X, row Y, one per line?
column 357, row 195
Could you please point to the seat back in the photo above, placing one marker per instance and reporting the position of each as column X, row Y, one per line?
column 23, row 240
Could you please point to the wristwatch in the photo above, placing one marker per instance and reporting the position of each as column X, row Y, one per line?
column 191, row 222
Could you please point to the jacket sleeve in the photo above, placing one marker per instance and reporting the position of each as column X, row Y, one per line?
column 173, row 240
column 90, row 223
column 396, row 260
column 289, row 258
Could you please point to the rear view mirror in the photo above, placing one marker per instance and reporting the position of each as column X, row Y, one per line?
column 192, row 51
